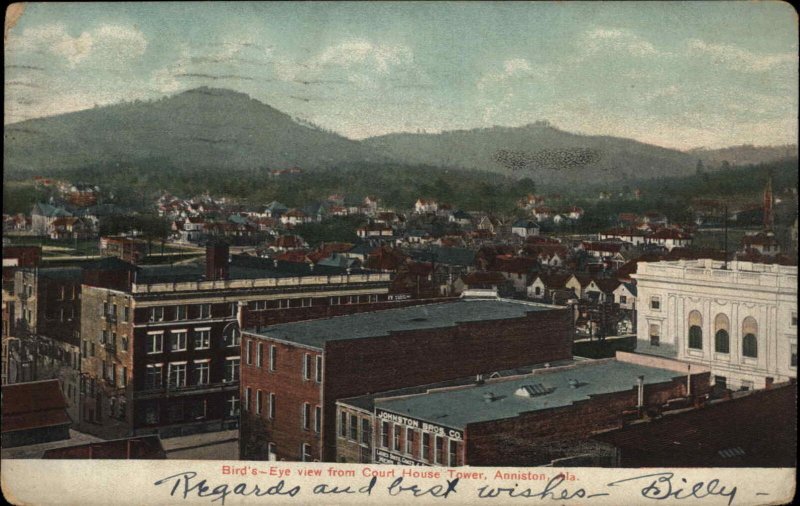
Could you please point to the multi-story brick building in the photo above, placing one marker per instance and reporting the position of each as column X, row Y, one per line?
column 540, row 418
column 293, row 374
column 161, row 346
column 739, row 319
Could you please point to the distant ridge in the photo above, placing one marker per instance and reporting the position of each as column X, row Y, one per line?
column 223, row 129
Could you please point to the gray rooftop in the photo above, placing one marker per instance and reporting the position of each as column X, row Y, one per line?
column 458, row 407
column 380, row 323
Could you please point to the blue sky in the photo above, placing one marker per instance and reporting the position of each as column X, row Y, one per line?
column 677, row 74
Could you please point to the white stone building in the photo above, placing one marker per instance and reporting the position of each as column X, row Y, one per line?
column 740, row 321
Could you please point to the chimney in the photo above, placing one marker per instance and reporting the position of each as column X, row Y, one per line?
column 488, row 397
column 217, row 261
column 640, row 388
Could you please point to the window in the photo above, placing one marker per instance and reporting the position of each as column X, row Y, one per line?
column 273, row 357
column 197, row 409
column 258, row 402
column 177, row 341
column 409, row 440
column 623, row 299
column 233, row 405
column 353, row 428
column 260, row 355
column 317, row 419
column 721, row 382
column 793, row 356
column 248, row 352
column 750, row 341
column 126, row 314
column 231, row 336
column 439, row 455
column 695, row 330
column 305, row 449
column 105, row 309
column 232, row 369
column 426, row 446
column 232, row 308
column 151, row 415
column 342, row 424
column 365, row 431
column 180, row 312
column 247, row 399
column 453, row 453
column 318, row 370
column 794, row 319
column 202, row 339
column 655, row 303
column 201, row 372
column 155, row 342
column 154, row 375
column 655, row 335
column 750, row 346
column 306, row 416
column 305, row 302
column 272, row 448
column 124, row 343
column 156, row 314
column 722, row 342
column 746, row 386
column 123, row 378
column 177, row 374
column 307, row 366
column 271, row 406
column 204, row 311
column 385, row 434
column 335, row 301
column 396, row 438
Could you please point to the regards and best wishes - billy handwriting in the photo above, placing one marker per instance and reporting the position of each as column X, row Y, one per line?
column 276, row 482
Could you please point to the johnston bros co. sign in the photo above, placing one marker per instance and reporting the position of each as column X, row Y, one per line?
column 433, row 428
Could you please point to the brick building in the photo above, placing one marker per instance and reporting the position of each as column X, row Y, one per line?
column 539, row 418
column 160, row 345
column 293, row 374
column 34, row 413
column 126, row 248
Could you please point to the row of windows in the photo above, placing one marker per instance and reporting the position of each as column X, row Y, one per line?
column 257, row 406
column 111, row 376
column 191, row 410
column 391, row 439
column 179, row 339
column 110, row 312
column 181, row 312
column 254, row 353
column 259, row 305
column 355, row 428
column 177, row 373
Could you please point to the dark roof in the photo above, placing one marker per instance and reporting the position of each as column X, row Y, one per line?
column 110, row 263
column 142, row 447
column 33, row 405
column 755, row 430
column 445, row 255
column 316, row 333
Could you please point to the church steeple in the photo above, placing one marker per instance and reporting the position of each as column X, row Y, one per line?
column 769, row 201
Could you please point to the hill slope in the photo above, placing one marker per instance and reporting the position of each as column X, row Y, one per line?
column 538, row 150
column 745, row 154
column 204, row 127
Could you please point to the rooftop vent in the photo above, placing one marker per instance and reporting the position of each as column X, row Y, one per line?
column 489, row 397
column 533, row 390
column 573, row 383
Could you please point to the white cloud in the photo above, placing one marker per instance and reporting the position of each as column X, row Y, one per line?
column 513, row 68
column 736, row 58
column 600, row 39
column 114, row 43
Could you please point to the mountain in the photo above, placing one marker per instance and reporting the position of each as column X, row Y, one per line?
column 746, row 154
column 539, row 151
column 203, row 127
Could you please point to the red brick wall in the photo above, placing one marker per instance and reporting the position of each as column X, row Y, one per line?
column 538, row 438
column 359, row 366
column 291, row 391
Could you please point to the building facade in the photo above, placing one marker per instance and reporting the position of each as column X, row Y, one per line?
column 293, row 374
column 740, row 320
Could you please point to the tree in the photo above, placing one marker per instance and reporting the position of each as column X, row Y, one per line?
column 700, row 168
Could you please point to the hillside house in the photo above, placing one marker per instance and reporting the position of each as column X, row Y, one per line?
column 525, row 228
column 423, row 206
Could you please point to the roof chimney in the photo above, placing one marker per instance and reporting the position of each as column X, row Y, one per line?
column 488, row 397
column 640, row 396
column 217, row 254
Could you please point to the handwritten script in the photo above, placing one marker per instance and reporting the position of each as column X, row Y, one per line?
column 658, row 486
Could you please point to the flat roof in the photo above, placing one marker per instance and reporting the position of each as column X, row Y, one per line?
column 367, row 401
column 380, row 323
column 459, row 407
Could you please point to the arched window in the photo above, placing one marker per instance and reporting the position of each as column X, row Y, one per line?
column 695, row 330
column 750, row 339
column 722, row 334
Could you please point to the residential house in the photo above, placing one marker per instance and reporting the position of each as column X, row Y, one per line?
column 525, row 228
column 625, row 295
column 424, row 205
column 461, row 218
column 762, row 242
column 670, row 238
column 542, row 213
column 43, row 215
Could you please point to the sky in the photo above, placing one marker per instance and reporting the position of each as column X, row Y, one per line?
column 676, row 74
